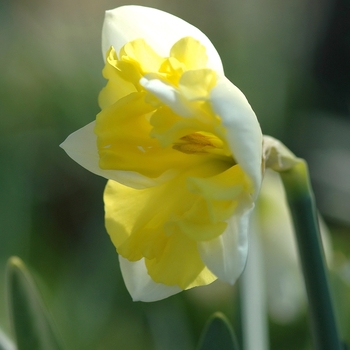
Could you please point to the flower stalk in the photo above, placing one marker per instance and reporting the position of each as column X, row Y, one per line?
column 302, row 206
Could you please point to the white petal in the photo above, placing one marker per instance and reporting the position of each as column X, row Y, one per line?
column 140, row 285
column 226, row 255
column 243, row 130
column 81, row 147
column 168, row 95
column 160, row 30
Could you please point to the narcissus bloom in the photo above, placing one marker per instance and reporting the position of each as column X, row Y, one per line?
column 181, row 148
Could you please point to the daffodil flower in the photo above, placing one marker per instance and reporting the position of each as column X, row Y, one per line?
column 181, row 148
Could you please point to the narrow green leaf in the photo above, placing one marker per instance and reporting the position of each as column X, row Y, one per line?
column 218, row 334
column 29, row 318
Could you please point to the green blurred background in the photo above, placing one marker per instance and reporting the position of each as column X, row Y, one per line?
column 292, row 61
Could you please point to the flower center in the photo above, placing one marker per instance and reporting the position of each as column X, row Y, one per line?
column 195, row 143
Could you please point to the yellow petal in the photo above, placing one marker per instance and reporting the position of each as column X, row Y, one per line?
column 124, row 141
column 141, row 54
column 117, row 87
column 179, row 264
column 81, row 147
column 145, row 224
column 190, row 52
column 141, row 232
column 196, row 84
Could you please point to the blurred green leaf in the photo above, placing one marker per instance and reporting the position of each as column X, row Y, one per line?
column 29, row 318
column 218, row 334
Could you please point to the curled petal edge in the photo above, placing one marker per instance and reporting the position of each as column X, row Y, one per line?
column 244, row 135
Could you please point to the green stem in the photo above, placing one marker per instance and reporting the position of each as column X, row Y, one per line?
column 301, row 202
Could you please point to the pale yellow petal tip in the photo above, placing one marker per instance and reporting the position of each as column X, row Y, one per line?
column 277, row 156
